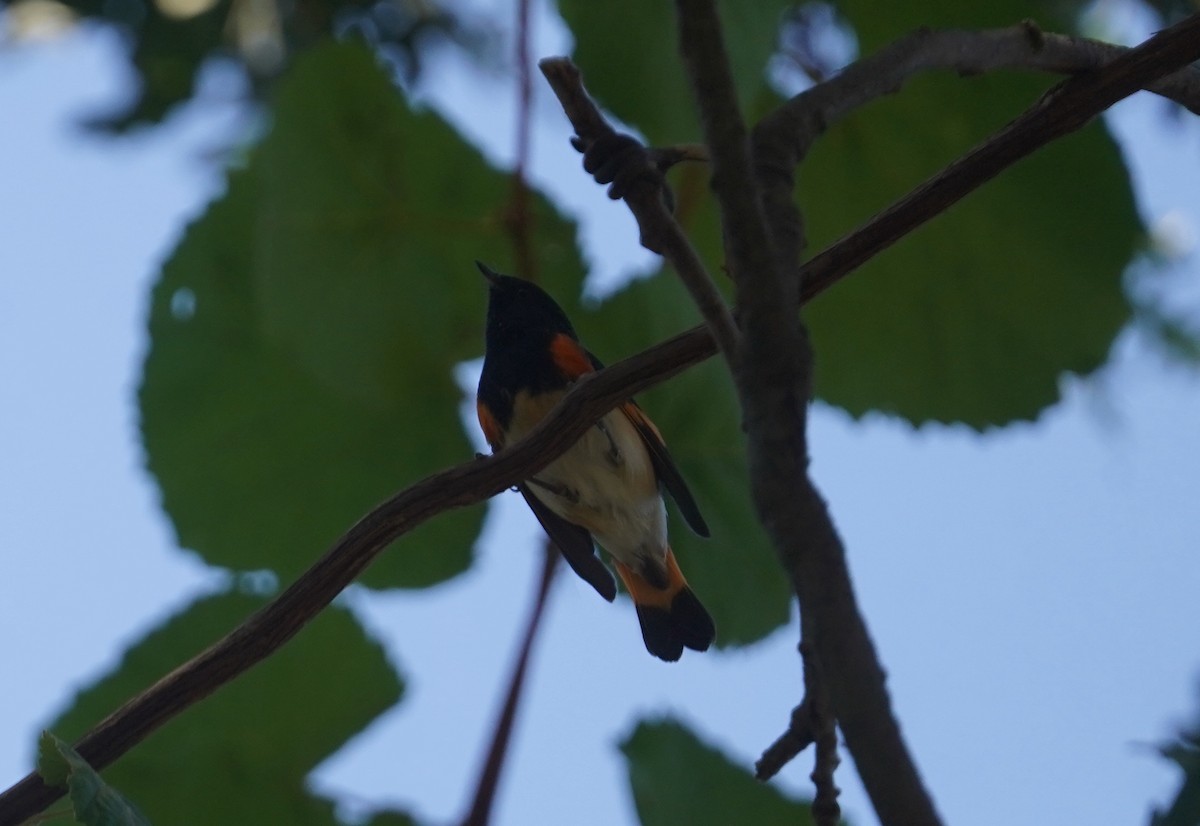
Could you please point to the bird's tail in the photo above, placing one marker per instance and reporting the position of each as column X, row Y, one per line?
column 672, row 618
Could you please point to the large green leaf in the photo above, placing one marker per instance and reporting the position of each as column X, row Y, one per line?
column 304, row 332
column 242, row 755
column 735, row 573
column 976, row 316
column 1183, row 751
column 676, row 778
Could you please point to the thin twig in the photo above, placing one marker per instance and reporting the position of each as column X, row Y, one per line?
column 811, row 722
column 521, row 228
column 798, row 736
column 1064, row 109
column 519, row 216
column 826, row 811
column 660, row 232
column 783, row 138
column 1023, row 46
column 489, row 779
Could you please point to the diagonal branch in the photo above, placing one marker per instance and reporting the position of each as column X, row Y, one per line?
column 277, row 622
column 660, row 232
column 1064, row 109
column 1024, row 46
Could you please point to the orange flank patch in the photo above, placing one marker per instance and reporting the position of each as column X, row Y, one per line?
column 570, row 357
column 491, row 428
column 644, row 593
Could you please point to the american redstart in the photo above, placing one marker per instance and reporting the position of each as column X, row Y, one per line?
column 607, row 487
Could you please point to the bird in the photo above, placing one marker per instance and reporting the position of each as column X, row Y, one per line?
column 607, row 489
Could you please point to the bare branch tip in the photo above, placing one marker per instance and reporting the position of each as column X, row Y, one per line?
column 556, row 63
column 800, row 735
column 763, row 772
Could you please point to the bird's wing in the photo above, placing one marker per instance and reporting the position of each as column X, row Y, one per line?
column 573, row 360
column 576, row 546
column 664, row 466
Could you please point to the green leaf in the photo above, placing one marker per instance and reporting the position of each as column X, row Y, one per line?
column 1184, row 810
column 304, row 332
column 167, row 53
column 242, row 755
column 94, row 802
column 975, row 316
column 170, row 42
column 735, row 573
column 629, row 55
column 677, row 778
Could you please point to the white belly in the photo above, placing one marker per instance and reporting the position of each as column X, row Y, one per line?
column 613, row 493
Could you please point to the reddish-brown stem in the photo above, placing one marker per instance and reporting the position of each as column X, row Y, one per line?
column 489, row 778
column 519, row 217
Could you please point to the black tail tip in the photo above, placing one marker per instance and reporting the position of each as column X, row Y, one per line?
column 686, row 624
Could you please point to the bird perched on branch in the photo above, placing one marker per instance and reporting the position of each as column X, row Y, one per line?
column 607, row 487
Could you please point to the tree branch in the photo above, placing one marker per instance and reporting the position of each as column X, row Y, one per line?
column 1062, row 110
column 811, row 722
column 1023, row 46
column 521, row 228
column 660, row 232
column 799, row 735
column 774, row 380
column 489, row 779
column 748, row 245
column 268, row 629
column 857, row 683
column 826, row 811
column 518, row 217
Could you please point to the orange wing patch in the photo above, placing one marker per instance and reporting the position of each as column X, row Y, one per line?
column 570, row 357
column 491, row 428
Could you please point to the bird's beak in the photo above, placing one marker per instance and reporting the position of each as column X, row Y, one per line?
column 491, row 275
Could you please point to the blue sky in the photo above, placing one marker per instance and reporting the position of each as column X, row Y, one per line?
column 1032, row 592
